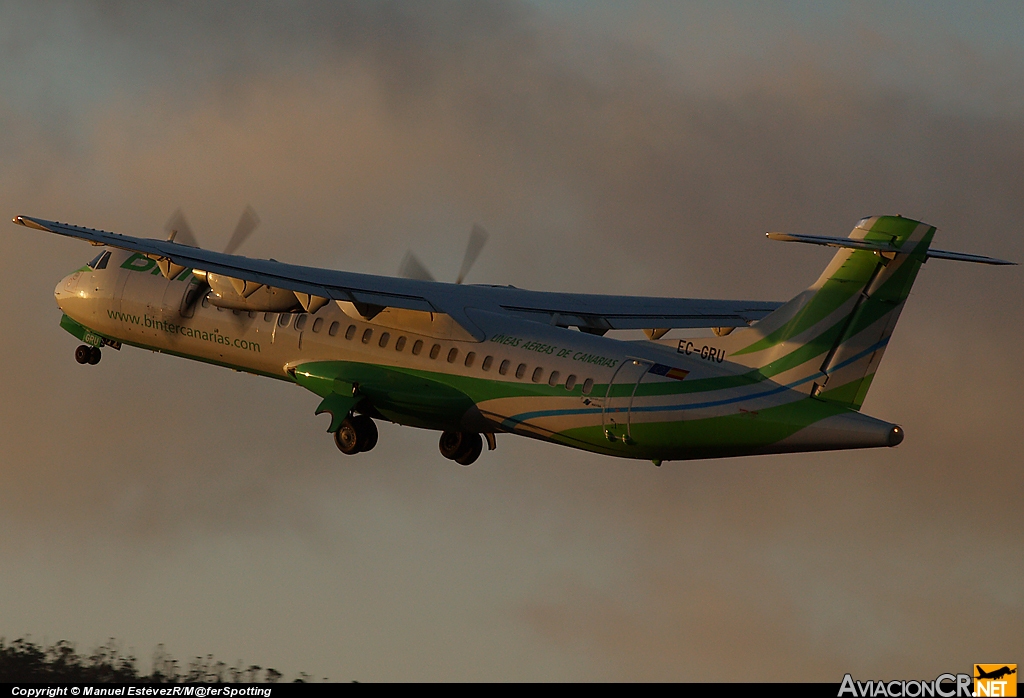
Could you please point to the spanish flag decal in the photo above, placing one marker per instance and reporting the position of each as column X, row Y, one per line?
column 669, row 372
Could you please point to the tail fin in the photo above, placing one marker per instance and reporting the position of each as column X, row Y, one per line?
column 829, row 340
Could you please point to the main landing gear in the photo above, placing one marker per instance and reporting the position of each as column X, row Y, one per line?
column 86, row 354
column 462, row 447
column 356, row 435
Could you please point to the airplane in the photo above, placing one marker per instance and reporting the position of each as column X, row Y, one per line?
column 472, row 361
column 995, row 674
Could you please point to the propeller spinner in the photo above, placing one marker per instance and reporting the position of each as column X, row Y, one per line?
column 179, row 231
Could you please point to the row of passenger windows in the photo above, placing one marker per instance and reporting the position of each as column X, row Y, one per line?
column 537, row 375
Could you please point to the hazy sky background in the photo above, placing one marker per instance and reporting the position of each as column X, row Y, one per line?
column 608, row 147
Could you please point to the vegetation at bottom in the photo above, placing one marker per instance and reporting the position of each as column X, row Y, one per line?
column 24, row 660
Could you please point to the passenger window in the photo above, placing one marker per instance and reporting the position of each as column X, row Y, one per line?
column 503, row 369
column 252, row 314
column 470, row 358
column 300, row 322
column 538, row 373
column 520, row 370
column 268, row 317
column 236, row 312
column 334, row 329
column 553, row 379
column 317, row 324
column 400, row 344
column 588, row 385
column 488, row 362
column 452, row 355
column 570, row 382
column 284, row 319
column 367, row 334
column 350, row 332
column 384, row 339
column 417, row 347
column 435, row 350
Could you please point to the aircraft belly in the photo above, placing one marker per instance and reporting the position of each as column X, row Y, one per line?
column 744, row 430
column 759, row 417
column 405, row 396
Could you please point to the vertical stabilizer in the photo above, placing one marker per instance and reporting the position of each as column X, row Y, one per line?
column 829, row 340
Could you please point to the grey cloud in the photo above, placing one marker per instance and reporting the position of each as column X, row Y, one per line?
column 360, row 129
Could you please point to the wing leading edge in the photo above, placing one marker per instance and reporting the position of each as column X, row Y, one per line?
column 589, row 312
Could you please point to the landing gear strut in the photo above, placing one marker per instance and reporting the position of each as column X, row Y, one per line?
column 462, row 447
column 356, row 435
column 86, row 354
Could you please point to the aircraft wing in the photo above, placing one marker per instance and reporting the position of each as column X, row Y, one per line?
column 590, row 312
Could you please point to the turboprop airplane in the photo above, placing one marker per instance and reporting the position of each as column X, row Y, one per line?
column 472, row 361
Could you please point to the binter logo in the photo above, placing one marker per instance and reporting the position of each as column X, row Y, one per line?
column 995, row 680
column 140, row 262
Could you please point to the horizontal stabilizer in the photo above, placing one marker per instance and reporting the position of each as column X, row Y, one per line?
column 964, row 257
column 851, row 243
column 881, row 247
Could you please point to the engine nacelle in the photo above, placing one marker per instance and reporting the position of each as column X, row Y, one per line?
column 263, row 299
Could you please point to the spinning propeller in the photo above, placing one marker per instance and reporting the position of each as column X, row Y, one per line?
column 178, row 230
column 413, row 268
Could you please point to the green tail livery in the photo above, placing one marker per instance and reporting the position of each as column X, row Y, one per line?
column 474, row 361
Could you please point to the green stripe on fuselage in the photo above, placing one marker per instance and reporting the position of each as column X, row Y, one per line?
column 441, row 401
column 743, row 433
column 81, row 332
column 851, row 394
column 834, row 292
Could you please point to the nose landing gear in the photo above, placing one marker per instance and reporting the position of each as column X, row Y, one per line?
column 86, row 354
column 461, row 447
column 356, row 435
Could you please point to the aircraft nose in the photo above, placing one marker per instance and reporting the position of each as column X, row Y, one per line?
column 67, row 288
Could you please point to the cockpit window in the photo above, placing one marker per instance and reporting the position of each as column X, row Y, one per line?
column 100, row 262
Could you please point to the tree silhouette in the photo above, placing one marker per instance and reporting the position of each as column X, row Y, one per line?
column 24, row 660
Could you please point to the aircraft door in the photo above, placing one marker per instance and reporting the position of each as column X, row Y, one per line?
column 616, row 411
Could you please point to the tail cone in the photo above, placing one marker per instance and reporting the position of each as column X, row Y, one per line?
column 895, row 436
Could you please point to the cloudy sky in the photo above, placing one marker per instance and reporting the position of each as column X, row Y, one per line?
column 608, row 147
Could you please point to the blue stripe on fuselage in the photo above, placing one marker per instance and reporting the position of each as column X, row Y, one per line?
column 511, row 422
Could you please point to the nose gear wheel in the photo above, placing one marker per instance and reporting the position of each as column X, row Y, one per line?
column 86, row 354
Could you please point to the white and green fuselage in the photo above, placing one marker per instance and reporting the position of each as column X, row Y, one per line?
column 795, row 381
